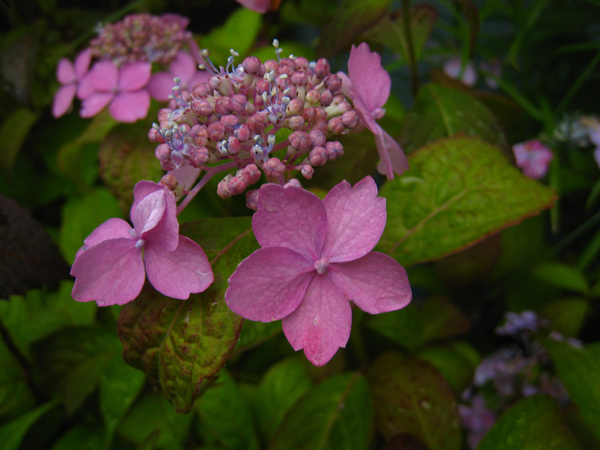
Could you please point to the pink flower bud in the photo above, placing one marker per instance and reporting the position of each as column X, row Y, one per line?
column 262, row 85
column 257, row 122
column 311, row 114
column 243, row 133
column 202, row 107
column 238, row 103
column 350, row 119
column 252, row 199
column 317, row 156
column 313, row 97
column 317, row 137
column 300, row 78
column 334, row 150
column 326, row 97
column 164, row 115
column 169, row 181
column 234, row 145
column 251, row 174
column 296, row 122
column 274, row 168
column 199, row 135
column 155, row 136
column 335, row 126
column 295, row 108
column 216, row 131
column 230, row 121
column 198, row 156
column 162, row 153
column 236, row 185
column 271, row 65
column 299, row 140
column 253, row 66
column 222, row 105
column 333, row 83
column 307, row 171
column 287, row 66
column 223, row 188
column 294, row 182
column 202, row 90
column 322, row 68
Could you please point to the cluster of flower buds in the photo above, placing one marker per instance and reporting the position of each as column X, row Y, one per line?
column 275, row 117
column 142, row 37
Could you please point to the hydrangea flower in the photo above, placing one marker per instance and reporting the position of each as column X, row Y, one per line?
column 453, row 67
column 369, row 84
column 109, row 269
column 119, row 87
column 69, row 75
column 183, row 67
column 315, row 258
column 533, row 158
column 260, row 6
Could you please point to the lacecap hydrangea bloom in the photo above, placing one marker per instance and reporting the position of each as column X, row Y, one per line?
column 316, row 257
column 533, row 158
column 112, row 265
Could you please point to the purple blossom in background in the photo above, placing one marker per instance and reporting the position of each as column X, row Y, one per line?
column 368, row 85
column 533, row 158
column 316, row 257
column 517, row 323
column 259, row 6
column 109, row 269
column 184, row 67
column 453, row 68
column 477, row 419
column 69, row 76
column 121, row 88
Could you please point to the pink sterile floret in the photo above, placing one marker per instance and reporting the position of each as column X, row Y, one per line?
column 316, row 257
column 69, row 75
column 369, row 84
column 109, row 269
column 122, row 87
column 453, row 68
column 185, row 68
column 259, row 6
column 533, row 158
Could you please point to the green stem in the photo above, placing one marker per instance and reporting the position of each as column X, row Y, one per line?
column 410, row 50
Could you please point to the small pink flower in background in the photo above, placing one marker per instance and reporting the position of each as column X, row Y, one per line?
column 452, row 68
column 369, row 85
column 533, row 158
column 259, row 6
column 119, row 87
column 316, row 257
column 185, row 68
column 69, row 76
column 477, row 419
column 109, row 269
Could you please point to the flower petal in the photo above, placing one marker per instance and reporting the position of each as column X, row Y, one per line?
column 376, row 283
column 82, row 63
column 128, row 107
column 201, row 76
column 392, row 157
column 134, row 76
column 321, row 324
column 85, row 87
column 63, row 99
column 181, row 272
column 183, row 66
column 259, row 6
column 160, row 86
column 149, row 212
column 370, row 81
column 104, row 76
column 93, row 104
column 269, row 284
column 111, row 273
column 65, row 71
column 355, row 220
column 166, row 233
column 114, row 228
column 290, row 217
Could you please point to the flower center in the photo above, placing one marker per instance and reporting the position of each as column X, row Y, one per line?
column 321, row 265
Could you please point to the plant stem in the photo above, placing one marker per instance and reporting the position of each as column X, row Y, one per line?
column 410, row 51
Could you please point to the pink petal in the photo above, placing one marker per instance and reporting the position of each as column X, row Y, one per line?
column 376, row 283
column 166, row 233
column 65, row 71
column 160, row 86
column 321, row 324
column 104, row 76
column 63, row 99
column 111, row 273
column 86, row 86
column 82, row 63
column 128, row 107
column 201, row 76
column 183, row 66
column 149, row 212
column 355, row 220
column 346, row 85
column 290, row 217
column 370, row 81
column 269, row 284
column 393, row 159
column 178, row 273
column 259, row 6
column 134, row 76
column 114, row 228
column 94, row 104
column 186, row 176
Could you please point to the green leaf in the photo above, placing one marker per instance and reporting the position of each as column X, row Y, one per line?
column 13, row 132
column 126, row 157
column 224, row 412
column 255, row 333
column 566, row 315
column 404, row 327
column 456, row 368
column 15, row 395
column 283, row 384
column 534, row 423
column 390, row 32
column 81, row 437
column 351, row 19
column 73, row 361
column 12, row 433
column 315, row 12
column 83, row 215
column 440, row 112
column 463, row 190
column 562, row 276
column 220, row 40
column 410, row 396
column 334, row 415
column 579, row 370
column 180, row 343
column 441, row 319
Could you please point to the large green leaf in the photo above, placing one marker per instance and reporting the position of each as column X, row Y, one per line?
column 440, row 112
column 562, row 276
column 351, row 19
column 410, row 396
column 226, row 416
column 404, row 327
column 534, row 423
column 13, row 132
column 566, row 315
column 579, row 370
column 390, row 30
column 180, row 343
column 456, row 192
column 12, row 433
column 15, row 395
column 334, row 415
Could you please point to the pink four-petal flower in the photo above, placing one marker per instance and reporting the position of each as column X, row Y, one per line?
column 109, row 269
column 69, row 75
column 533, row 158
column 183, row 66
column 369, row 85
column 316, row 257
column 119, row 87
